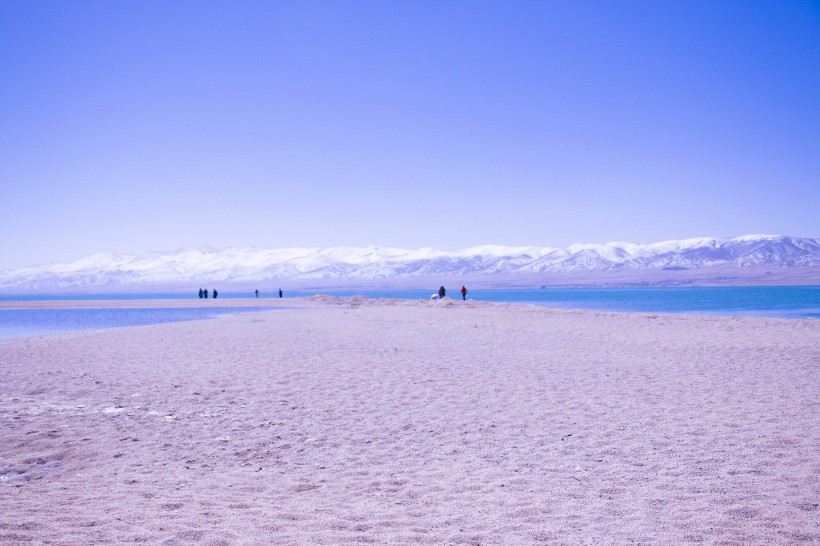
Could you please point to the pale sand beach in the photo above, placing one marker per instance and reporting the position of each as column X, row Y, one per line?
column 432, row 422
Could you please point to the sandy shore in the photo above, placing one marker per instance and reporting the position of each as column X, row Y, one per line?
column 362, row 421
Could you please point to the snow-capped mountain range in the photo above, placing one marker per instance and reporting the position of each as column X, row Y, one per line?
column 354, row 266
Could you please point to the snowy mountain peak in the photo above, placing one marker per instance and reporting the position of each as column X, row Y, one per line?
column 357, row 265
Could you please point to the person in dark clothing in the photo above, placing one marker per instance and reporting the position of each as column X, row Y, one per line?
column 215, row 293
column 200, row 293
column 441, row 293
column 257, row 293
column 206, row 293
column 464, row 293
column 280, row 292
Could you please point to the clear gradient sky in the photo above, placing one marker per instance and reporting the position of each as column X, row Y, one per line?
column 153, row 125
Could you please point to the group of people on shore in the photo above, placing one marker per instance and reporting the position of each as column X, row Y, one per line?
column 442, row 292
column 203, row 293
column 257, row 293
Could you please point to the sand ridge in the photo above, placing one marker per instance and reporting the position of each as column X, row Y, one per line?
column 429, row 422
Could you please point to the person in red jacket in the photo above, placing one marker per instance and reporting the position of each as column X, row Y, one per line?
column 464, row 293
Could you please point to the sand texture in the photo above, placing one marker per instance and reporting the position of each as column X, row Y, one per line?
column 435, row 422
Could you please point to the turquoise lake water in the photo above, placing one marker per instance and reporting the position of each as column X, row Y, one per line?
column 794, row 302
column 16, row 323
column 763, row 301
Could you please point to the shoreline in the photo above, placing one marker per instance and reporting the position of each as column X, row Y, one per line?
column 330, row 299
column 144, row 303
column 784, row 302
column 415, row 422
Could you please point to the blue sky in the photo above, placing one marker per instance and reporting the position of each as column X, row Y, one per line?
column 150, row 125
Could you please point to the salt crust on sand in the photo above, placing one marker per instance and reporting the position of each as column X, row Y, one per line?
column 374, row 421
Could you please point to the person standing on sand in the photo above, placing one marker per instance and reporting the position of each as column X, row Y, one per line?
column 441, row 293
column 257, row 292
column 215, row 293
column 464, row 293
column 206, row 293
column 280, row 292
column 200, row 293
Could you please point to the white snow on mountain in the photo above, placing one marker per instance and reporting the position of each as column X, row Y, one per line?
column 354, row 264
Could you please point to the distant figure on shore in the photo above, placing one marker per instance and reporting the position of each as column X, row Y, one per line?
column 280, row 292
column 215, row 293
column 464, row 293
column 257, row 293
column 200, row 293
column 441, row 293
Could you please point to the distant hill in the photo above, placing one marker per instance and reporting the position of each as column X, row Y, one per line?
column 751, row 259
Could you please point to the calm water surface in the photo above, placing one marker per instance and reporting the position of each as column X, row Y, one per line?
column 762, row 301
column 37, row 322
column 796, row 302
